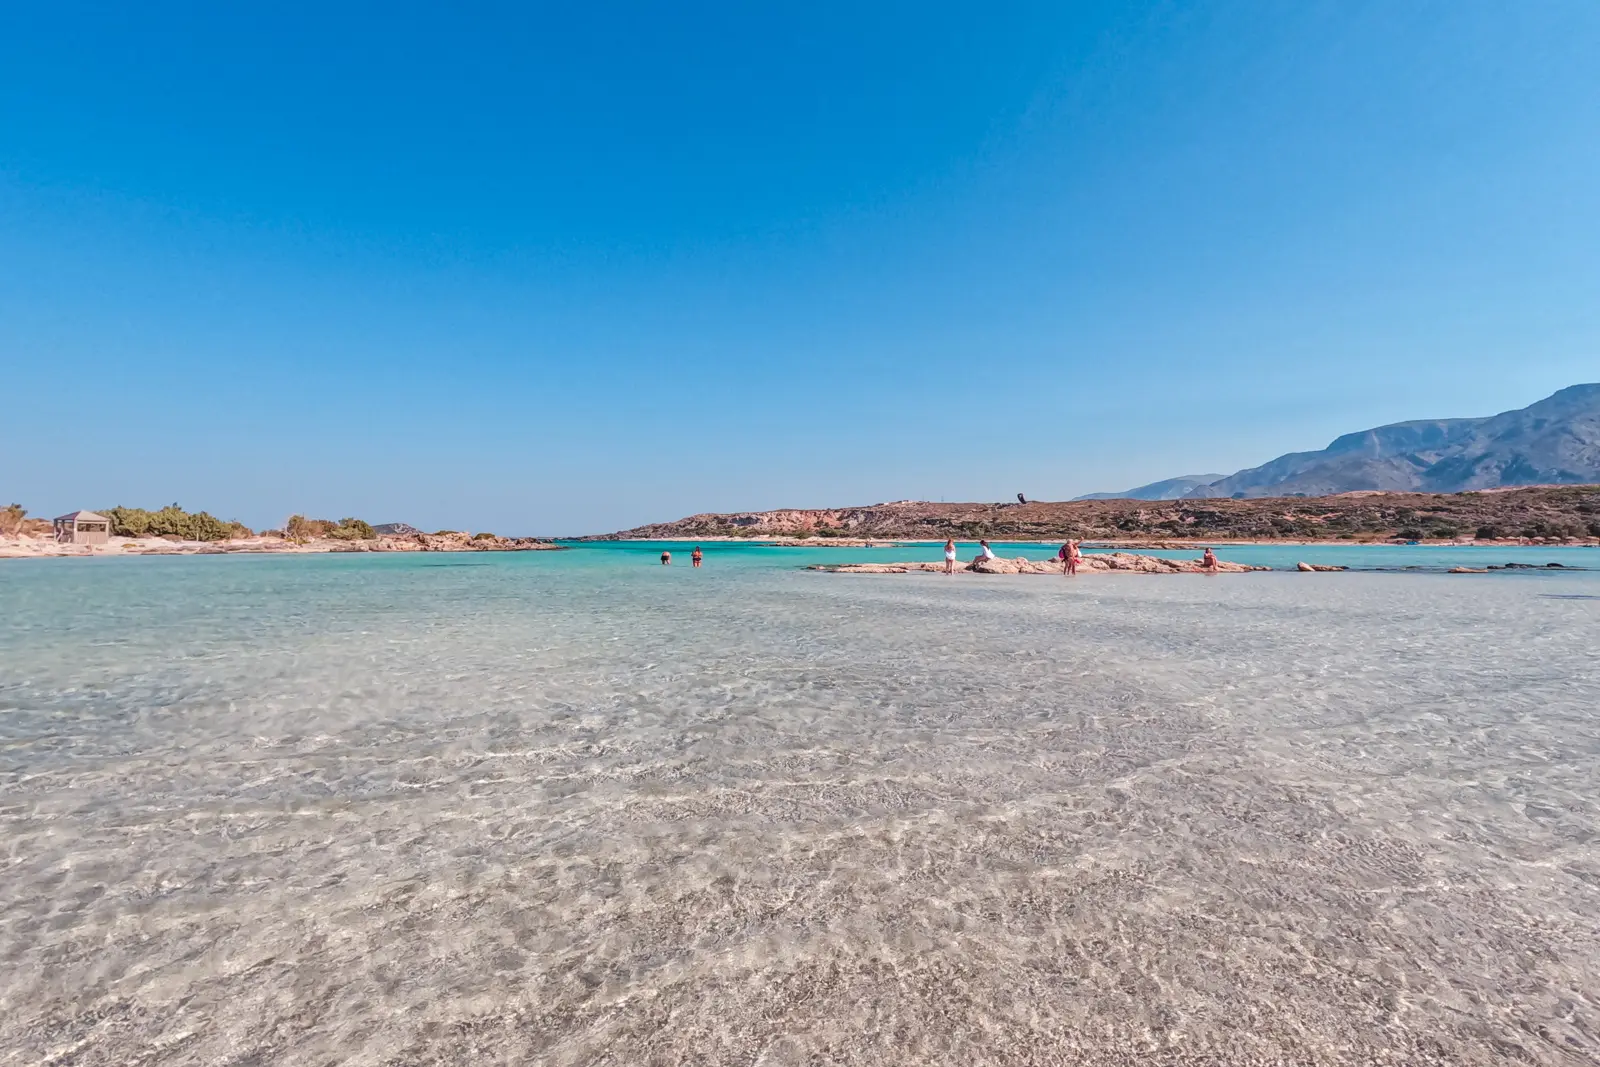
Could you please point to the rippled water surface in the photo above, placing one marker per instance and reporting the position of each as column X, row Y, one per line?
column 579, row 809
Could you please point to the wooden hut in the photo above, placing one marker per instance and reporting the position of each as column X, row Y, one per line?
column 83, row 528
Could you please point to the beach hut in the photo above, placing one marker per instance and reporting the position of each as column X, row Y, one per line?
column 83, row 528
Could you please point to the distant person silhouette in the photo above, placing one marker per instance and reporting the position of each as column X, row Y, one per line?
column 695, row 557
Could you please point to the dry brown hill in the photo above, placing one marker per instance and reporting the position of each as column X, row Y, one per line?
column 1550, row 512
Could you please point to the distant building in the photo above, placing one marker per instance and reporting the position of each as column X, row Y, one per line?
column 83, row 528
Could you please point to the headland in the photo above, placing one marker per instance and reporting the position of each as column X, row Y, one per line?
column 1565, row 514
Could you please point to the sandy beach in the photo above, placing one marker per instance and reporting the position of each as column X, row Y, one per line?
column 47, row 547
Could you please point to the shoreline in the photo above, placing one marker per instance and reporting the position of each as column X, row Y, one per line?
column 1149, row 544
column 131, row 547
column 24, row 547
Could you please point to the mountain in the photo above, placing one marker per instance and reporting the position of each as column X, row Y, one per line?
column 1553, row 442
column 1171, row 489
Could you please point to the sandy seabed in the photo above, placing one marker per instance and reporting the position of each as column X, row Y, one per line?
column 507, row 813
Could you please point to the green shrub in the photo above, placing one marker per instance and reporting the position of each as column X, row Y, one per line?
column 1488, row 533
column 300, row 529
column 11, row 517
column 171, row 522
column 1444, row 532
column 1411, row 533
column 484, row 535
column 348, row 529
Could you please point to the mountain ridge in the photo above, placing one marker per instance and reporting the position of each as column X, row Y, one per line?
column 1166, row 489
column 1554, row 441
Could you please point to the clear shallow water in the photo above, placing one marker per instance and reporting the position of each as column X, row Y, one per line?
column 579, row 808
column 1280, row 557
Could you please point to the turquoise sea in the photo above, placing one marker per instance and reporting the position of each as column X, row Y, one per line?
column 579, row 808
column 1281, row 557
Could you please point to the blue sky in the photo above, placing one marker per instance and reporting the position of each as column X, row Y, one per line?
column 544, row 269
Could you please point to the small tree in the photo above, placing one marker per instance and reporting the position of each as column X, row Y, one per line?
column 298, row 529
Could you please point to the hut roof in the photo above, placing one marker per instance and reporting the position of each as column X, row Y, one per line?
column 82, row 516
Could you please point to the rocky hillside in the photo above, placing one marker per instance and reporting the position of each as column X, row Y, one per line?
column 1558, row 512
column 1555, row 441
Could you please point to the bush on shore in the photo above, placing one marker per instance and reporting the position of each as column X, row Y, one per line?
column 173, row 521
column 11, row 519
column 300, row 529
column 352, row 529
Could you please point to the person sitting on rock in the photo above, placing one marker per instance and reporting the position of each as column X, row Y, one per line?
column 985, row 553
column 1209, row 560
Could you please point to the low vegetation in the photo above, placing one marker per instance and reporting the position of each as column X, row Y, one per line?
column 300, row 529
column 12, row 518
column 173, row 522
column 1550, row 512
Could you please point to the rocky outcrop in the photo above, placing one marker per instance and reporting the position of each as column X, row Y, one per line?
column 457, row 541
column 1309, row 567
column 1098, row 563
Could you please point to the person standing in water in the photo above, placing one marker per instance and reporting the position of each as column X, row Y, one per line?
column 949, row 556
column 695, row 557
column 666, row 559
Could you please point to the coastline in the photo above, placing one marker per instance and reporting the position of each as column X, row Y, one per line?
column 1091, row 544
column 23, row 547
